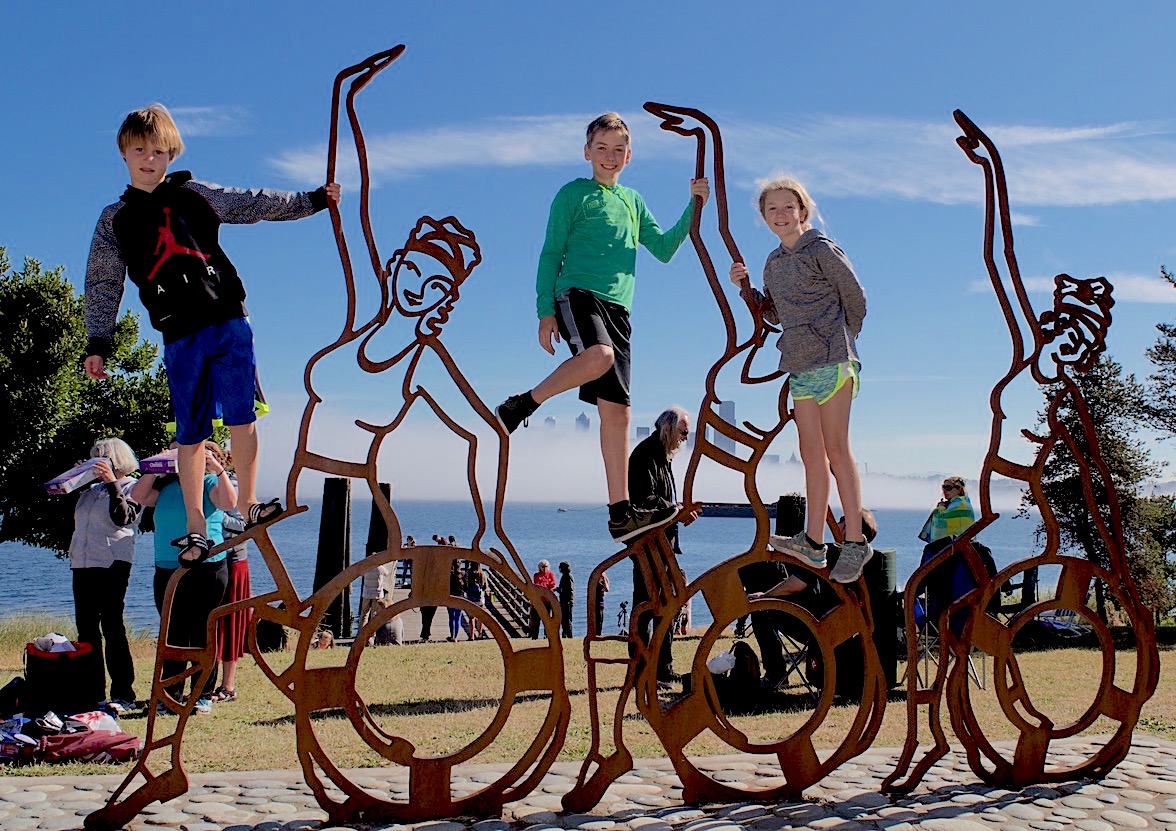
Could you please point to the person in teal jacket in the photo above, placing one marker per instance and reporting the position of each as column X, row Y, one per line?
column 204, row 587
column 584, row 294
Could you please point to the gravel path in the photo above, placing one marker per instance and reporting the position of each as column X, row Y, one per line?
column 1139, row 794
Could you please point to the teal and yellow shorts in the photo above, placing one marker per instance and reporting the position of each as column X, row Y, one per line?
column 824, row 382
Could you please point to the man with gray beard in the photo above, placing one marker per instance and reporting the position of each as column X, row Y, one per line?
column 651, row 487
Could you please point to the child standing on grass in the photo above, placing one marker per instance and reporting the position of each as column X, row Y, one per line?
column 815, row 297
column 584, row 294
column 164, row 234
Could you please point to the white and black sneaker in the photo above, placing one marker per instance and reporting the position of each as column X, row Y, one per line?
column 514, row 411
column 637, row 521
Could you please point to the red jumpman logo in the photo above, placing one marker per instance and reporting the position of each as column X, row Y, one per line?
column 167, row 244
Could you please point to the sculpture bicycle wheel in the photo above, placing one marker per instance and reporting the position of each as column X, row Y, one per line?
column 699, row 710
column 1027, row 761
column 530, row 670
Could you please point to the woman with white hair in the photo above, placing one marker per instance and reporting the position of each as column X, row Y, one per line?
column 100, row 555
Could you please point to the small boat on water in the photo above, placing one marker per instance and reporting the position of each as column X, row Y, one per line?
column 561, row 510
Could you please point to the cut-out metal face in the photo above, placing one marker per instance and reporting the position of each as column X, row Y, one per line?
column 426, row 275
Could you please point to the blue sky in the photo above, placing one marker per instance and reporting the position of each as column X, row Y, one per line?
column 483, row 116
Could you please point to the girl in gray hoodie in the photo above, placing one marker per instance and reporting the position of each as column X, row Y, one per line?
column 816, row 299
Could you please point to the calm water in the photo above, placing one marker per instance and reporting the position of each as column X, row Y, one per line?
column 33, row 580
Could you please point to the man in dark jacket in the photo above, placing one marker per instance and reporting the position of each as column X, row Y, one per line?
column 651, row 487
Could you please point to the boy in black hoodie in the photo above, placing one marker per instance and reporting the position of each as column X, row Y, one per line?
column 164, row 234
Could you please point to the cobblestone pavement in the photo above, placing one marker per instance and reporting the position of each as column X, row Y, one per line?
column 1139, row 794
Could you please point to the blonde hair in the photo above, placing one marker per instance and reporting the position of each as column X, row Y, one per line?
column 118, row 452
column 956, row 481
column 218, row 453
column 807, row 203
column 151, row 124
column 608, row 121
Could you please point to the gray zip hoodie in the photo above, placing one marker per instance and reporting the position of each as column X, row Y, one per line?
column 816, row 299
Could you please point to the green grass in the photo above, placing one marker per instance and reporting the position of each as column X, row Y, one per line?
column 441, row 696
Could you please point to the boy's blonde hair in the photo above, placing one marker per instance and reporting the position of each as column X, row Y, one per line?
column 153, row 123
column 608, row 121
column 767, row 186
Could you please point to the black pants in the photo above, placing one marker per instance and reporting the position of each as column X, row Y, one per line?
column 427, row 613
column 766, row 626
column 98, row 612
column 201, row 590
column 565, row 612
column 645, row 624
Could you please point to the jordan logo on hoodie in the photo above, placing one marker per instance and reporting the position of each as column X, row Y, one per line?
column 167, row 246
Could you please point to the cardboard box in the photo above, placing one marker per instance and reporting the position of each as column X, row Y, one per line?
column 76, row 477
column 164, row 462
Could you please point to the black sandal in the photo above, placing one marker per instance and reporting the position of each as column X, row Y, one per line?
column 199, row 542
column 263, row 512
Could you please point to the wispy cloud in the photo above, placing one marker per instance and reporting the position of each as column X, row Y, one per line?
column 909, row 159
column 1129, row 288
column 212, row 121
column 1047, row 166
column 508, row 141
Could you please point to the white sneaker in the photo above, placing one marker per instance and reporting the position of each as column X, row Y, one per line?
column 854, row 556
column 798, row 546
column 203, row 706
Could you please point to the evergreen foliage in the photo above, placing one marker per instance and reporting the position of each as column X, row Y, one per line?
column 1161, row 403
column 1115, row 403
column 50, row 412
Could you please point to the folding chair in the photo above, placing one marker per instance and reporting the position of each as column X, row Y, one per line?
column 1009, row 607
column 796, row 656
column 930, row 649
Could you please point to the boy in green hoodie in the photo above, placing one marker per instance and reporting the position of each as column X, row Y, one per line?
column 584, row 294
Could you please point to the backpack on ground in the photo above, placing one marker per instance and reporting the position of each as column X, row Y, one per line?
column 88, row 746
column 64, row 682
column 739, row 687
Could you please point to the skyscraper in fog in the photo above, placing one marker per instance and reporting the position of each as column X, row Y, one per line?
column 727, row 414
column 583, row 422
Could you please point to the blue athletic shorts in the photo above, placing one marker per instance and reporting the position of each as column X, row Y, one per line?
column 211, row 373
column 823, row 382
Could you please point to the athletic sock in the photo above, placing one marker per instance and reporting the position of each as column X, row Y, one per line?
column 813, row 544
column 618, row 510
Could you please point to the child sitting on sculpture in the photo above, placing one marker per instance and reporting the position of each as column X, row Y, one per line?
column 816, row 299
column 164, row 234
column 584, row 294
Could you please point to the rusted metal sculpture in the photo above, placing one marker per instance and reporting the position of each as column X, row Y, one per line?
column 420, row 284
column 418, row 288
column 682, row 719
column 1048, row 349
